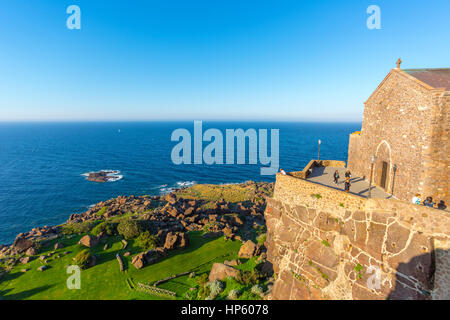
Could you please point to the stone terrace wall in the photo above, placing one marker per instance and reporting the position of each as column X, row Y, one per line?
column 322, row 243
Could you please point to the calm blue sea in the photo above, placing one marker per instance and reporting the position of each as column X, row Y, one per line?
column 42, row 164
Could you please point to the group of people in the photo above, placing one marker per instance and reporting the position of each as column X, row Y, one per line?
column 428, row 202
column 347, row 181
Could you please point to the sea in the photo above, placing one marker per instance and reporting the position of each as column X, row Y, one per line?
column 43, row 166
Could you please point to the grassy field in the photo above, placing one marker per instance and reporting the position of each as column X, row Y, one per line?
column 105, row 280
column 209, row 193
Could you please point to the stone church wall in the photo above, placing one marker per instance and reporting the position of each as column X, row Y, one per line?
column 405, row 124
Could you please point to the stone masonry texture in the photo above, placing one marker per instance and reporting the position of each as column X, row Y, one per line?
column 405, row 124
column 327, row 244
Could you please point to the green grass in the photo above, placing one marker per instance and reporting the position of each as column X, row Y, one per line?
column 104, row 280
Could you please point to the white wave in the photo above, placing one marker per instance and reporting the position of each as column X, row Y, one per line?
column 164, row 191
column 114, row 177
column 186, row 183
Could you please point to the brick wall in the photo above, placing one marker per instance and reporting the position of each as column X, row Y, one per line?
column 327, row 244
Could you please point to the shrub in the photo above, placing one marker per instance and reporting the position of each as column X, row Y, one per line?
column 204, row 292
column 202, row 279
column 108, row 227
column 234, row 294
column 146, row 241
column 79, row 227
column 129, row 229
column 216, row 288
column 249, row 278
column 209, row 226
column 83, row 259
column 261, row 239
column 259, row 229
column 257, row 290
column 101, row 211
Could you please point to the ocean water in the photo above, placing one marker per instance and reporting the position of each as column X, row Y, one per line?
column 43, row 166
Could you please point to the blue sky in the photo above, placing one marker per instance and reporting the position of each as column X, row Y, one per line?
column 235, row 59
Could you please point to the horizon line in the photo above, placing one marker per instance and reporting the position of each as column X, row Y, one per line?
column 176, row 120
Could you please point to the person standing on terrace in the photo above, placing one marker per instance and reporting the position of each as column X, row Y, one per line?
column 347, row 184
column 336, row 177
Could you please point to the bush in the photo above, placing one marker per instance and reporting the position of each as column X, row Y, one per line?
column 261, row 239
column 129, row 229
column 107, row 227
column 250, row 278
column 202, row 280
column 79, row 227
column 146, row 241
column 209, row 226
column 83, row 259
column 234, row 294
column 257, row 290
column 216, row 287
column 101, row 211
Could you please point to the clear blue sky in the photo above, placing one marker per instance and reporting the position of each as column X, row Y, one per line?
column 204, row 59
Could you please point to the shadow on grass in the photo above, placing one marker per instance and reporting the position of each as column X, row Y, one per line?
column 24, row 294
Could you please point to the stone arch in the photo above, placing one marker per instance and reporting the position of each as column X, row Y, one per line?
column 383, row 154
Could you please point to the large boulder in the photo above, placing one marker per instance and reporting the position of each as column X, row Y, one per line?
column 248, row 250
column 139, row 260
column 176, row 240
column 183, row 240
column 88, row 241
column 220, row 271
column 24, row 260
column 171, row 240
column 31, row 251
column 22, row 244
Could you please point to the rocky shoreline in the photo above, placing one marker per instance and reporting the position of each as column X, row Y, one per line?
column 170, row 217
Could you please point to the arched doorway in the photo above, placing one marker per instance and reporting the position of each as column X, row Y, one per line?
column 382, row 170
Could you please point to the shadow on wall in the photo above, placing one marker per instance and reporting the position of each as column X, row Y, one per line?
column 424, row 277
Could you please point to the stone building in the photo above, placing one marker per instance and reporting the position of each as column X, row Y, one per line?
column 406, row 127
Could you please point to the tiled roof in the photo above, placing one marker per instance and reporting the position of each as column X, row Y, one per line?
column 437, row 78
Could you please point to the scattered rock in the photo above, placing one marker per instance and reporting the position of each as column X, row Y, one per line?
column 88, row 241
column 31, row 251
column 232, row 263
column 58, row 245
column 176, row 240
column 221, row 271
column 126, row 254
column 25, row 260
column 22, row 244
column 42, row 268
column 248, row 250
column 139, row 260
